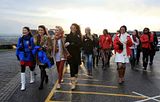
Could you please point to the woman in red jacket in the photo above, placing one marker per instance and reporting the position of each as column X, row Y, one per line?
column 146, row 40
column 105, row 43
column 122, row 44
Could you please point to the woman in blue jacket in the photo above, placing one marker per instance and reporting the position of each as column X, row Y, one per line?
column 24, row 54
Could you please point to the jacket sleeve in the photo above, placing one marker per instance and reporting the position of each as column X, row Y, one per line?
column 32, row 43
column 129, row 41
column 116, row 47
column 110, row 41
column 18, row 46
column 46, row 60
column 143, row 40
column 66, row 39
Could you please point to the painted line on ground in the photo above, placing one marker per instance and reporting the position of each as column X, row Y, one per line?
column 92, row 85
column 83, row 79
column 148, row 98
column 100, row 93
column 140, row 69
column 51, row 94
column 78, row 74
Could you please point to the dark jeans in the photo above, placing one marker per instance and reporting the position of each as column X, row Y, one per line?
column 145, row 52
column 138, row 55
column 152, row 54
column 73, row 69
column 133, row 58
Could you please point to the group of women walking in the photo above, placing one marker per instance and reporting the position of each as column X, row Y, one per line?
column 45, row 51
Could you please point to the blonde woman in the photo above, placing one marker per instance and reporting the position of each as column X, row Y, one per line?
column 60, row 52
column 88, row 50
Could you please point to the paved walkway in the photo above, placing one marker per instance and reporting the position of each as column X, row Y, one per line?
column 139, row 86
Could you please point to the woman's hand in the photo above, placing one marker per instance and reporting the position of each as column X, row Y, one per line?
column 66, row 44
column 40, row 49
column 30, row 47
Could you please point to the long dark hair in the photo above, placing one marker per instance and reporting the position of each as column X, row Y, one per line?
column 135, row 36
column 78, row 29
column 44, row 28
column 147, row 33
column 125, row 27
column 146, row 29
column 28, row 29
column 137, row 33
column 105, row 30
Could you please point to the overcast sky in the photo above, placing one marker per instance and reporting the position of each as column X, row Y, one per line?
column 96, row 14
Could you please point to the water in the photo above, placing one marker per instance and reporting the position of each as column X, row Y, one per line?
column 8, row 39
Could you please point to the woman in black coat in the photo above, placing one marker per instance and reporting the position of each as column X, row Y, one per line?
column 153, row 48
column 73, row 45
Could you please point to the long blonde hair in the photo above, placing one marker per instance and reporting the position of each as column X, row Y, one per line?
column 57, row 36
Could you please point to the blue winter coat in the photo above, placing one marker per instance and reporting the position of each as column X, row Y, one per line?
column 42, row 56
column 23, row 51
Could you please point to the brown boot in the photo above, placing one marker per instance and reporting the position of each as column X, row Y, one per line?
column 120, row 74
column 123, row 73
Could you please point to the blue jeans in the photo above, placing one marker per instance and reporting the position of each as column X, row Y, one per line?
column 133, row 57
column 89, row 61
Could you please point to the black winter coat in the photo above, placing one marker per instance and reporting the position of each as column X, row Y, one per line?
column 88, row 45
column 74, row 48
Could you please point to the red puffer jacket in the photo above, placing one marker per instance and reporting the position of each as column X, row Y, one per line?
column 146, row 42
column 116, row 46
column 105, row 41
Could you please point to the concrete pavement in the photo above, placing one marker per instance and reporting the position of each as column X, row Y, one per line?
column 140, row 86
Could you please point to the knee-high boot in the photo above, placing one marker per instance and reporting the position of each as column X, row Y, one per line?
column 23, row 81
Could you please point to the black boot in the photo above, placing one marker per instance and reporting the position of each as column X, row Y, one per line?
column 42, row 78
column 41, row 86
column 145, row 65
column 145, row 68
column 46, row 79
column 151, row 63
